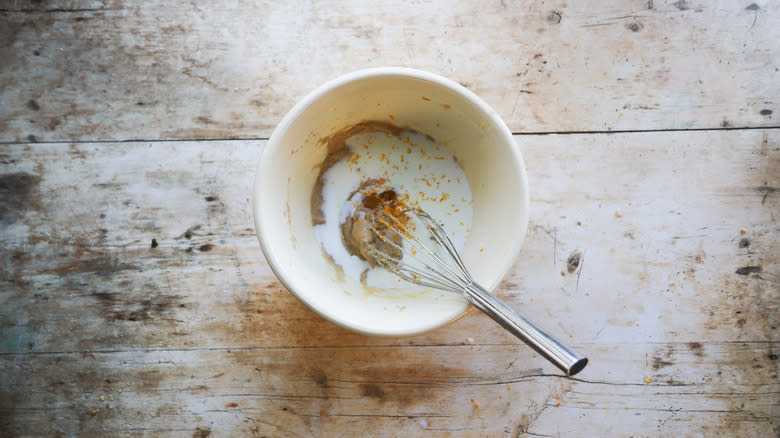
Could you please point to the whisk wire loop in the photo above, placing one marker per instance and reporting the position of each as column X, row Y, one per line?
column 424, row 255
column 453, row 278
column 442, row 239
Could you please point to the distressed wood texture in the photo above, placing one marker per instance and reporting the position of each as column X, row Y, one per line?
column 677, row 307
column 125, row 69
column 656, row 253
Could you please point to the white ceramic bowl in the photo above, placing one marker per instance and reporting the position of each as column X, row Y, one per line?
column 452, row 115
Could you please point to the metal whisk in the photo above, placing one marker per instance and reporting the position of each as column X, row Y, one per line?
column 416, row 248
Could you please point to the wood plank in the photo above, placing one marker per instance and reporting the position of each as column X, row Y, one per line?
column 79, row 221
column 118, row 70
column 671, row 290
column 395, row 391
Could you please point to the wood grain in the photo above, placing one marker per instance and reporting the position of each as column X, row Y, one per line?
column 676, row 307
column 327, row 391
column 124, row 69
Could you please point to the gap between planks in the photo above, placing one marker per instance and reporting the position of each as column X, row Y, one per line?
column 520, row 134
column 351, row 347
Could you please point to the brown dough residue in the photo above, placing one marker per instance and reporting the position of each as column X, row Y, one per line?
column 336, row 145
column 364, row 234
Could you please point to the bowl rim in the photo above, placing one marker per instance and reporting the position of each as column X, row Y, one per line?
column 274, row 143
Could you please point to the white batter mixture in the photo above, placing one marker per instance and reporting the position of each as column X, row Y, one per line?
column 420, row 171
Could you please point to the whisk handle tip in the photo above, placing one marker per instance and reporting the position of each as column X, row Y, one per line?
column 559, row 355
column 577, row 367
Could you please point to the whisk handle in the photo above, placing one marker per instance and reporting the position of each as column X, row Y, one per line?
column 567, row 360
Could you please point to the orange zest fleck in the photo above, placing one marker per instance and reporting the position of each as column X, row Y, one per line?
column 391, row 116
column 426, row 99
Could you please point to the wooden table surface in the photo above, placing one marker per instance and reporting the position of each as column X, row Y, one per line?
column 651, row 137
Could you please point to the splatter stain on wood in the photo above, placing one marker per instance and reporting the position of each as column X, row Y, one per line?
column 18, row 193
column 573, row 262
column 635, row 26
column 554, row 17
column 201, row 432
column 319, row 376
column 659, row 363
column 372, row 390
column 747, row 270
column 696, row 347
column 681, row 5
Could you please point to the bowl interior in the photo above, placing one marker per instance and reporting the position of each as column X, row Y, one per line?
column 449, row 113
